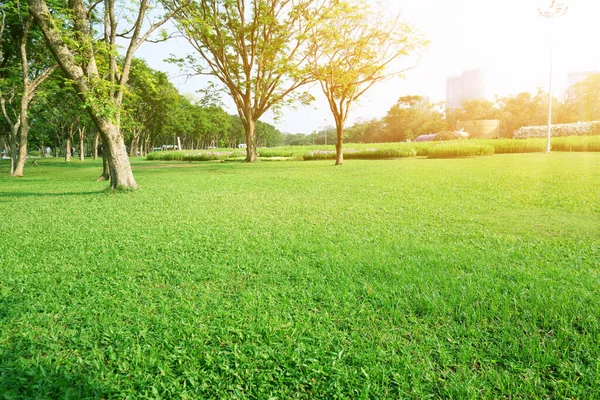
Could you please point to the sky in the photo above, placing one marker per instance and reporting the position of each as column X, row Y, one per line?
column 506, row 37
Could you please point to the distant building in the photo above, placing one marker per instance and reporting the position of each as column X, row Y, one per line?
column 576, row 76
column 470, row 85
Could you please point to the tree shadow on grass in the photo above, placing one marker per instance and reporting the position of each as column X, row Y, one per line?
column 29, row 374
column 4, row 196
column 31, row 369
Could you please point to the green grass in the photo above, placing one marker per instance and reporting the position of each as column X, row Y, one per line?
column 410, row 278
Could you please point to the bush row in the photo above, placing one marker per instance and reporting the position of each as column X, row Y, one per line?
column 458, row 148
column 559, row 130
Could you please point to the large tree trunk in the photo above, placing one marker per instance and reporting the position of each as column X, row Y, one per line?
column 96, row 146
column 250, row 128
column 81, row 143
column 68, row 144
column 121, row 176
column 115, row 157
column 339, row 156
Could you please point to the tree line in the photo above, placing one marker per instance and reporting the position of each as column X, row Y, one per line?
column 413, row 116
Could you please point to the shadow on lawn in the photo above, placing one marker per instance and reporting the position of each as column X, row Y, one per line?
column 28, row 372
column 4, row 195
column 32, row 369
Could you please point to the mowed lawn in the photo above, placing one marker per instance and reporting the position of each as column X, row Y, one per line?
column 410, row 278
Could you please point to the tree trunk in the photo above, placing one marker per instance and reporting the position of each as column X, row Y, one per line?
column 23, row 133
column 12, row 139
column 250, row 128
column 115, row 155
column 143, row 147
column 105, row 176
column 81, row 143
column 68, row 144
column 339, row 156
column 133, row 144
column 96, row 146
column 2, row 142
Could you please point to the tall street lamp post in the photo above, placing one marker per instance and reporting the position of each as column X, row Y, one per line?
column 553, row 10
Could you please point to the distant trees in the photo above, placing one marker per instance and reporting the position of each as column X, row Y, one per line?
column 412, row 116
column 583, row 100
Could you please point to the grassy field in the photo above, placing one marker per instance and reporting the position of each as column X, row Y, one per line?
column 410, row 278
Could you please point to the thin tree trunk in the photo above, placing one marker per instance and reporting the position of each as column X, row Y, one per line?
column 68, row 144
column 96, row 145
column 133, row 145
column 142, row 146
column 81, row 143
column 2, row 144
column 23, row 133
column 339, row 156
column 13, row 148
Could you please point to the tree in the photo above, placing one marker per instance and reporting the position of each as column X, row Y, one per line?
column 254, row 48
column 23, row 48
column 71, row 38
column 355, row 52
column 412, row 116
column 522, row 110
column 583, row 99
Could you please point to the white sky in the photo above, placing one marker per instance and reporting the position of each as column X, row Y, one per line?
column 507, row 37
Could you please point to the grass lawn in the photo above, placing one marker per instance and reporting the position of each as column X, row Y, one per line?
column 410, row 278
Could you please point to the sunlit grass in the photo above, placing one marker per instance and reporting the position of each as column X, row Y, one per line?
column 408, row 278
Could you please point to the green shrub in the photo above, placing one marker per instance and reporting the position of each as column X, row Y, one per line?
column 460, row 150
column 509, row 146
column 319, row 155
column 34, row 153
column 275, row 152
column 576, row 143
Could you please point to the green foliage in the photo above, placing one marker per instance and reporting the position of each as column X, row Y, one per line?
column 410, row 117
column 577, row 143
column 459, row 150
column 409, row 278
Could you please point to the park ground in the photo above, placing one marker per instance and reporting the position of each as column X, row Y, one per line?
column 406, row 278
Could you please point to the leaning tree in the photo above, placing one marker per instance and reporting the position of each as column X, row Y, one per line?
column 71, row 32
